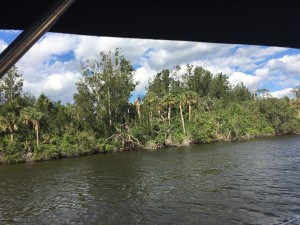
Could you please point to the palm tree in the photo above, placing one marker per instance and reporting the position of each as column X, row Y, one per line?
column 159, row 108
column 137, row 104
column 191, row 98
column 150, row 99
column 4, row 125
column 9, row 122
column 31, row 114
column 296, row 92
column 169, row 101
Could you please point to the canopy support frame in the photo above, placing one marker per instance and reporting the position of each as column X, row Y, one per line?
column 30, row 36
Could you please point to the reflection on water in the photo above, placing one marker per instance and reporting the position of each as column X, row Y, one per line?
column 247, row 182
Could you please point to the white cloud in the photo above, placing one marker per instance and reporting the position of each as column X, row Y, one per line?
column 174, row 53
column 164, row 54
column 90, row 47
column 56, row 86
column 288, row 64
column 51, row 65
column 250, row 81
column 259, row 52
column 10, row 31
column 3, row 45
column 44, row 71
column 284, row 71
column 282, row 93
column 142, row 75
column 47, row 48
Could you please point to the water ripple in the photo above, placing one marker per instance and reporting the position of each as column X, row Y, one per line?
column 248, row 182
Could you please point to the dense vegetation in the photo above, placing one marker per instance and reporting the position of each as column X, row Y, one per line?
column 177, row 109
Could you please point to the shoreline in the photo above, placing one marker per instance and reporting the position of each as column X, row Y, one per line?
column 28, row 157
column 245, row 138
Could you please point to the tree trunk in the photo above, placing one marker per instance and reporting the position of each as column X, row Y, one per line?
column 182, row 119
column 109, row 109
column 11, row 130
column 169, row 115
column 150, row 117
column 139, row 112
column 37, row 134
column 190, row 110
column 254, row 94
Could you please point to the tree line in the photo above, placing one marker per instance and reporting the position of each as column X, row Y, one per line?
column 178, row 109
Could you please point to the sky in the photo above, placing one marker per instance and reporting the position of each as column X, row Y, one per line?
column 52, row 65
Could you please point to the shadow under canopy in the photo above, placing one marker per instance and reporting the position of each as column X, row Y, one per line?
column 269, row 23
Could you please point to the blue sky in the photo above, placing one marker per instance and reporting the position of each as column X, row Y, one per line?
column 52, row 65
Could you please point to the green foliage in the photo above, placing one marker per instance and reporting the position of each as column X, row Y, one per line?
column 46, row 152
column 67, row 146
column 279, row 115
column 103, row 92
column 240, row 93
column 11, row 87
column 177, row 136
column 12, row 151
column 140, row 132
column 198, row 80
column 219, row 86
column 206, row 129
column 160, row 85
column 106, row 147
column 179, row 107
column 85, row 140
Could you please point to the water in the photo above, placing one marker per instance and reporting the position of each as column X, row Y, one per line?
column 245, row 182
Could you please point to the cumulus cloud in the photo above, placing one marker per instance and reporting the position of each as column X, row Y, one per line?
column 44, row 69
column 48, row 48
column 282, row 93
column 52, row 64
column 164, row 54
column 288, row 65
column 284, row 71
column 90, row 47
column 259, row 52
column 250, row 81
column 143, row 75
column 174, row 53
column 56, row 86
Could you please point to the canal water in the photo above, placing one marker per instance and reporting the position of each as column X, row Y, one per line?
column 242, row 182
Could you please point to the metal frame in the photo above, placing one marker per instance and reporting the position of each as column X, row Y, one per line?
column 31, row 35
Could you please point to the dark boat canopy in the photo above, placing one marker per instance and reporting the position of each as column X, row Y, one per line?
column 270, row 23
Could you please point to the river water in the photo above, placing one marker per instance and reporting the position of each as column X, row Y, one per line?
column 243, row 182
